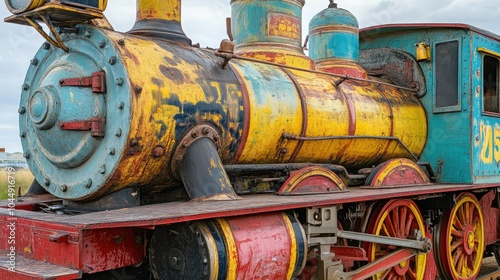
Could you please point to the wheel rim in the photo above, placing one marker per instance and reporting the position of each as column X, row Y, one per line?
column 461, row 239
column 397, row 218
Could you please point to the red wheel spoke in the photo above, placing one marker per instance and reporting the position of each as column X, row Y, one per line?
column 402, row 221
column 411, row 274
column 455, row 245
column 457, row 224
column 456, row 233
column 390, row 227
column 395, row 221
column 467, row 213
column 472, row 214
column 408, row 230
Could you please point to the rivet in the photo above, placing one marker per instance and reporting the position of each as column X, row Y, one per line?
column 21, row 110
column 216, row 138
column 184, row 144
column 121, row 42
column 138, row 89
column 205, row 131
column 26, row 155
column 195, row 134
column 88, row 184
column 112, row 151
column 64, row 188
column 23, row 134
column 119, row 81
column 284, row 151
column 46, row 46
column 121, row 105
column 118, row 239
column 102, row 44
column 118, row 132
column 158, row 152
column 112, row 60
column 102, row 169
column 25, row 87
column 46, row 182
column 87, row 34
column 34, row 61
column 134, row 142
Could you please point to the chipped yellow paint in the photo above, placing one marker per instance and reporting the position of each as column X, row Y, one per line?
column 159, row 9
column 231, row 249
column 359, row 109
column 293, row 246
column 211, row 245
column 158, row 72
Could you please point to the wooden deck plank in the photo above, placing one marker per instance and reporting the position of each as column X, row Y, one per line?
column 168, row 213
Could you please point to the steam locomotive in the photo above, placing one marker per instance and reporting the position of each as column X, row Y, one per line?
column 374, row 156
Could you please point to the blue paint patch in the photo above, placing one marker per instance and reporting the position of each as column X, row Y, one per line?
column 72, row 164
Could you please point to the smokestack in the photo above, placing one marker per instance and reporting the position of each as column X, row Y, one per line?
column 160, row 19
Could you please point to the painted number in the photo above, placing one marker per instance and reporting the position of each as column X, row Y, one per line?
column 490, row 150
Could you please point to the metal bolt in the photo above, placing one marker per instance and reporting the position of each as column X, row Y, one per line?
column 64, row 188
column 46, row 46
column 216, row 138
column 88, row 184
column 102, row 44
column 119, row 81
column 134, row 142
column 121, row 42
column 121, row 105
column 158, row 152
column 25, row 87
column 22, row 110
column 34, row 61
column 26, row 155
column 138, row 89
column 317, row 217
column 195, row 134
column 112, row 151
column 118, row 132
column 112, row 60
column 102, row 169
column 23, row 134
column 184, row 144
column 284, row 151
column 87, row 34
column 205, row 131
column 118, row 239
column 46, row 182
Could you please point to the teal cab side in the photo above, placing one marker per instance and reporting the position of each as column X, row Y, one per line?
column 460, row 64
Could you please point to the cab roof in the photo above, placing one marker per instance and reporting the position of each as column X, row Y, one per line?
column 378, row 30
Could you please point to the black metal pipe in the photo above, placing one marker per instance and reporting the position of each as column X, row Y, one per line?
column 203, row 174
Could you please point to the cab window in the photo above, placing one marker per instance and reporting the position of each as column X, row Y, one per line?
column 447, row 65
column 490, row 85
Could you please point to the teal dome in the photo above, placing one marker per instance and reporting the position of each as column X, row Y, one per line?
column 334, row 16
column 334, row 42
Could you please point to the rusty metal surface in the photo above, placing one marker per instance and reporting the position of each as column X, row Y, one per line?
column 400, row 67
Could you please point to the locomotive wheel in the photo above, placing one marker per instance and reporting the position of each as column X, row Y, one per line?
column 397, row 218
column 460, row 238
column 183, row 251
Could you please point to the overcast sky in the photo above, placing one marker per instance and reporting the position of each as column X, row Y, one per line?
column 204, row 22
